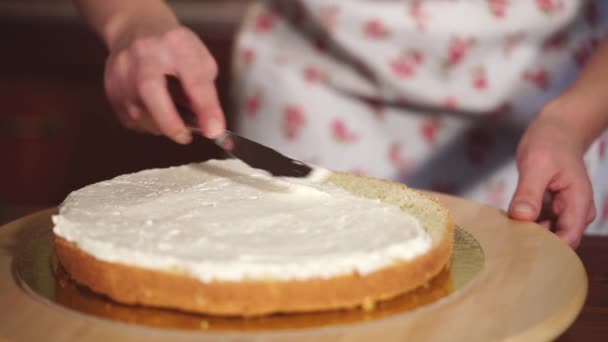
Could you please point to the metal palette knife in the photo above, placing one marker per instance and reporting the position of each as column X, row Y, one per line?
column 252, row 153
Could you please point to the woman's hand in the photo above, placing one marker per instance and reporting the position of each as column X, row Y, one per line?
column 135, row 81
column 550, row 162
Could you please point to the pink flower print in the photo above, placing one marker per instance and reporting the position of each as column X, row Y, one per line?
column 450, row 103
column 405, row 65
column 402, row 67
column 556, row 41
column 395, row 153
column 429, row 130
column 313, row 74
column 498, row 7
column 341, row 132
column 419, row 14
column 550, row 6
column 252, row 104
column 247, row 55
column 539, row 78
column 416, row 56
column 458, row 50
column 375, row 28
column 265, row 21
column 329, row 17
column 479, row 79
column 293, row 121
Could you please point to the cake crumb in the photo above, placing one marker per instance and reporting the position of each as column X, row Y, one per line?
column 204, row 324
column 368, row 304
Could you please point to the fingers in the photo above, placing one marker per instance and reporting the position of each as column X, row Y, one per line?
column 206, row 106
column 534, row 176
column 575, row 209
column 198, row 83
column 154, row 96
column 142, row 121
column 550, row 160
column 114, row 76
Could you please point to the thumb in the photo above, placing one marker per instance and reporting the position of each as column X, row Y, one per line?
column 528, row 197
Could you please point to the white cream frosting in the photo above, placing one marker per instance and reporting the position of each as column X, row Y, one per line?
column 224, row 221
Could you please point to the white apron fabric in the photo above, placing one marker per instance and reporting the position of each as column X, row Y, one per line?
column 433, row 93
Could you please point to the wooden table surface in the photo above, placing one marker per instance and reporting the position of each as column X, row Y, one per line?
column 592, row 324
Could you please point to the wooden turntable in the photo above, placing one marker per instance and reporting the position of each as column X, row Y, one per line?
column 507, row 280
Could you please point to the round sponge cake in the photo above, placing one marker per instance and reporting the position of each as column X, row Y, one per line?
column 224, row 239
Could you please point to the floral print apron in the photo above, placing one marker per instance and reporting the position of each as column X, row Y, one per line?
column 432, row 93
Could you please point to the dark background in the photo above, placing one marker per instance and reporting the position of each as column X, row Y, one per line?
column 57, row 131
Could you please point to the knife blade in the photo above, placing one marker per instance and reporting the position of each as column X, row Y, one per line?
column 250, row 152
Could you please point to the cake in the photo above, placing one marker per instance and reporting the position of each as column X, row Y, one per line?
column 222, row 238
column 69, row 294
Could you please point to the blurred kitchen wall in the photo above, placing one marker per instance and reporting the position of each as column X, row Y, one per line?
column 57, row 132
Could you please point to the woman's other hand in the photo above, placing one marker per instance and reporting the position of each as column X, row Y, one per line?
column 550, row 164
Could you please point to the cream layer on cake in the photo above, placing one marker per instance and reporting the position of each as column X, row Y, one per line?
column 224, row 221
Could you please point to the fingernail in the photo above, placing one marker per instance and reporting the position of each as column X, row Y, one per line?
column 214, row 127
column 183, row 137
column 523, row 209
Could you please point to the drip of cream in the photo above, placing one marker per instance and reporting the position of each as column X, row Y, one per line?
column 224, row 221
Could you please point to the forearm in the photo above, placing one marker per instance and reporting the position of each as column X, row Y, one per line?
column 584, row 106
column 114, row 20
